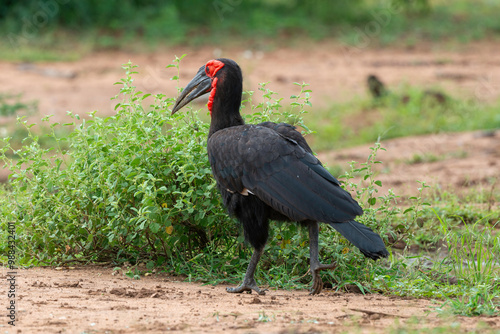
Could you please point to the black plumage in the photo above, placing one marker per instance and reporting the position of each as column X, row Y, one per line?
column 268, row 172
column 376, row 87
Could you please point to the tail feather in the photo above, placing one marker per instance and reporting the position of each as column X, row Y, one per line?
column 363, row 237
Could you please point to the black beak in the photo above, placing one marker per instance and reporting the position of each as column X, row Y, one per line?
column 199, row 85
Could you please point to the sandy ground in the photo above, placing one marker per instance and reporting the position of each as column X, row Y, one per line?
column 335, row 73
column 458, row 162
column 94, row 300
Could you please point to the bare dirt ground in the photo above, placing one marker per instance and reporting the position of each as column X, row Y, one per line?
column 93, row 300
column 335, row 73
column 458, row 162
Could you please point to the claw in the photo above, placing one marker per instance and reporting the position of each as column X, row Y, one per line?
column 247, row 286
column 317, row 285
column 249, row 283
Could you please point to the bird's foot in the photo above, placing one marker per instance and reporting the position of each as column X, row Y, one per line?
column 317, row 285
column 247, row 285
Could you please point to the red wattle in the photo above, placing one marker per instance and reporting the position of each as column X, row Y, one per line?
column 212, row 94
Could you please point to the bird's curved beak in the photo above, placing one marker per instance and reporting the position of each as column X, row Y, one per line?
column 199, row 85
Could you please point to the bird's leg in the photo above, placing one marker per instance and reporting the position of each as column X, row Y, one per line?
column 249, row 283
column 316, row 266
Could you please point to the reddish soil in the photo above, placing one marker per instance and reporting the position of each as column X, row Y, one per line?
column 458, row 162
column 101, row 300
column 335, row 73
column 93, row 300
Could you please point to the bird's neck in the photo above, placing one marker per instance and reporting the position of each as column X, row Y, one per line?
column 225, row 111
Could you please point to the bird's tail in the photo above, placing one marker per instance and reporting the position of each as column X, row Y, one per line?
column 361, row 236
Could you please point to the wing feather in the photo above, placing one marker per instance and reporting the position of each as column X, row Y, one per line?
column 283, row 173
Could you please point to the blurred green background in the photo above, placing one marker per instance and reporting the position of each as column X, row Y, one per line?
column 134, row 24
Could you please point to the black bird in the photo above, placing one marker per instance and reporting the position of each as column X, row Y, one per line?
column 375, row 86
column 379, row 90
column 267, row 172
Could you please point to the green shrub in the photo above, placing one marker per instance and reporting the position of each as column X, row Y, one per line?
column 137, row 186
column 133, row 185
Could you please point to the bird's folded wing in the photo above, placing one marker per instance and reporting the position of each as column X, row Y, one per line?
column 289, row 132
column 280, row 172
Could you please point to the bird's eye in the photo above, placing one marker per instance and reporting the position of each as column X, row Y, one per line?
column 207, row 70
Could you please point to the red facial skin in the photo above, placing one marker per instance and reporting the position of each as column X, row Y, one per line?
column 212, row 94
column 211, row 69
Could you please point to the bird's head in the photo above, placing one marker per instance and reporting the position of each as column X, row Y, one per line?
column 220, row 77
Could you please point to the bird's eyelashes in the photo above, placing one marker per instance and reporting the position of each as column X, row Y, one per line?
column 207, row 70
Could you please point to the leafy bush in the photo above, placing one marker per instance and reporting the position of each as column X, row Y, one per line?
column 134, row 185
column 137, row 186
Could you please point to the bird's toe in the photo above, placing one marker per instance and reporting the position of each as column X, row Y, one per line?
column 317, row 285
column 248, row 287
column 239, row 289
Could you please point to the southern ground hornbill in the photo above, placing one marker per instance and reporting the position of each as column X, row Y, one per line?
column 267, row 172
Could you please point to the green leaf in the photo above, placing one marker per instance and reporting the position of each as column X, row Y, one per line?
column 136, row 161
column 154, row 227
